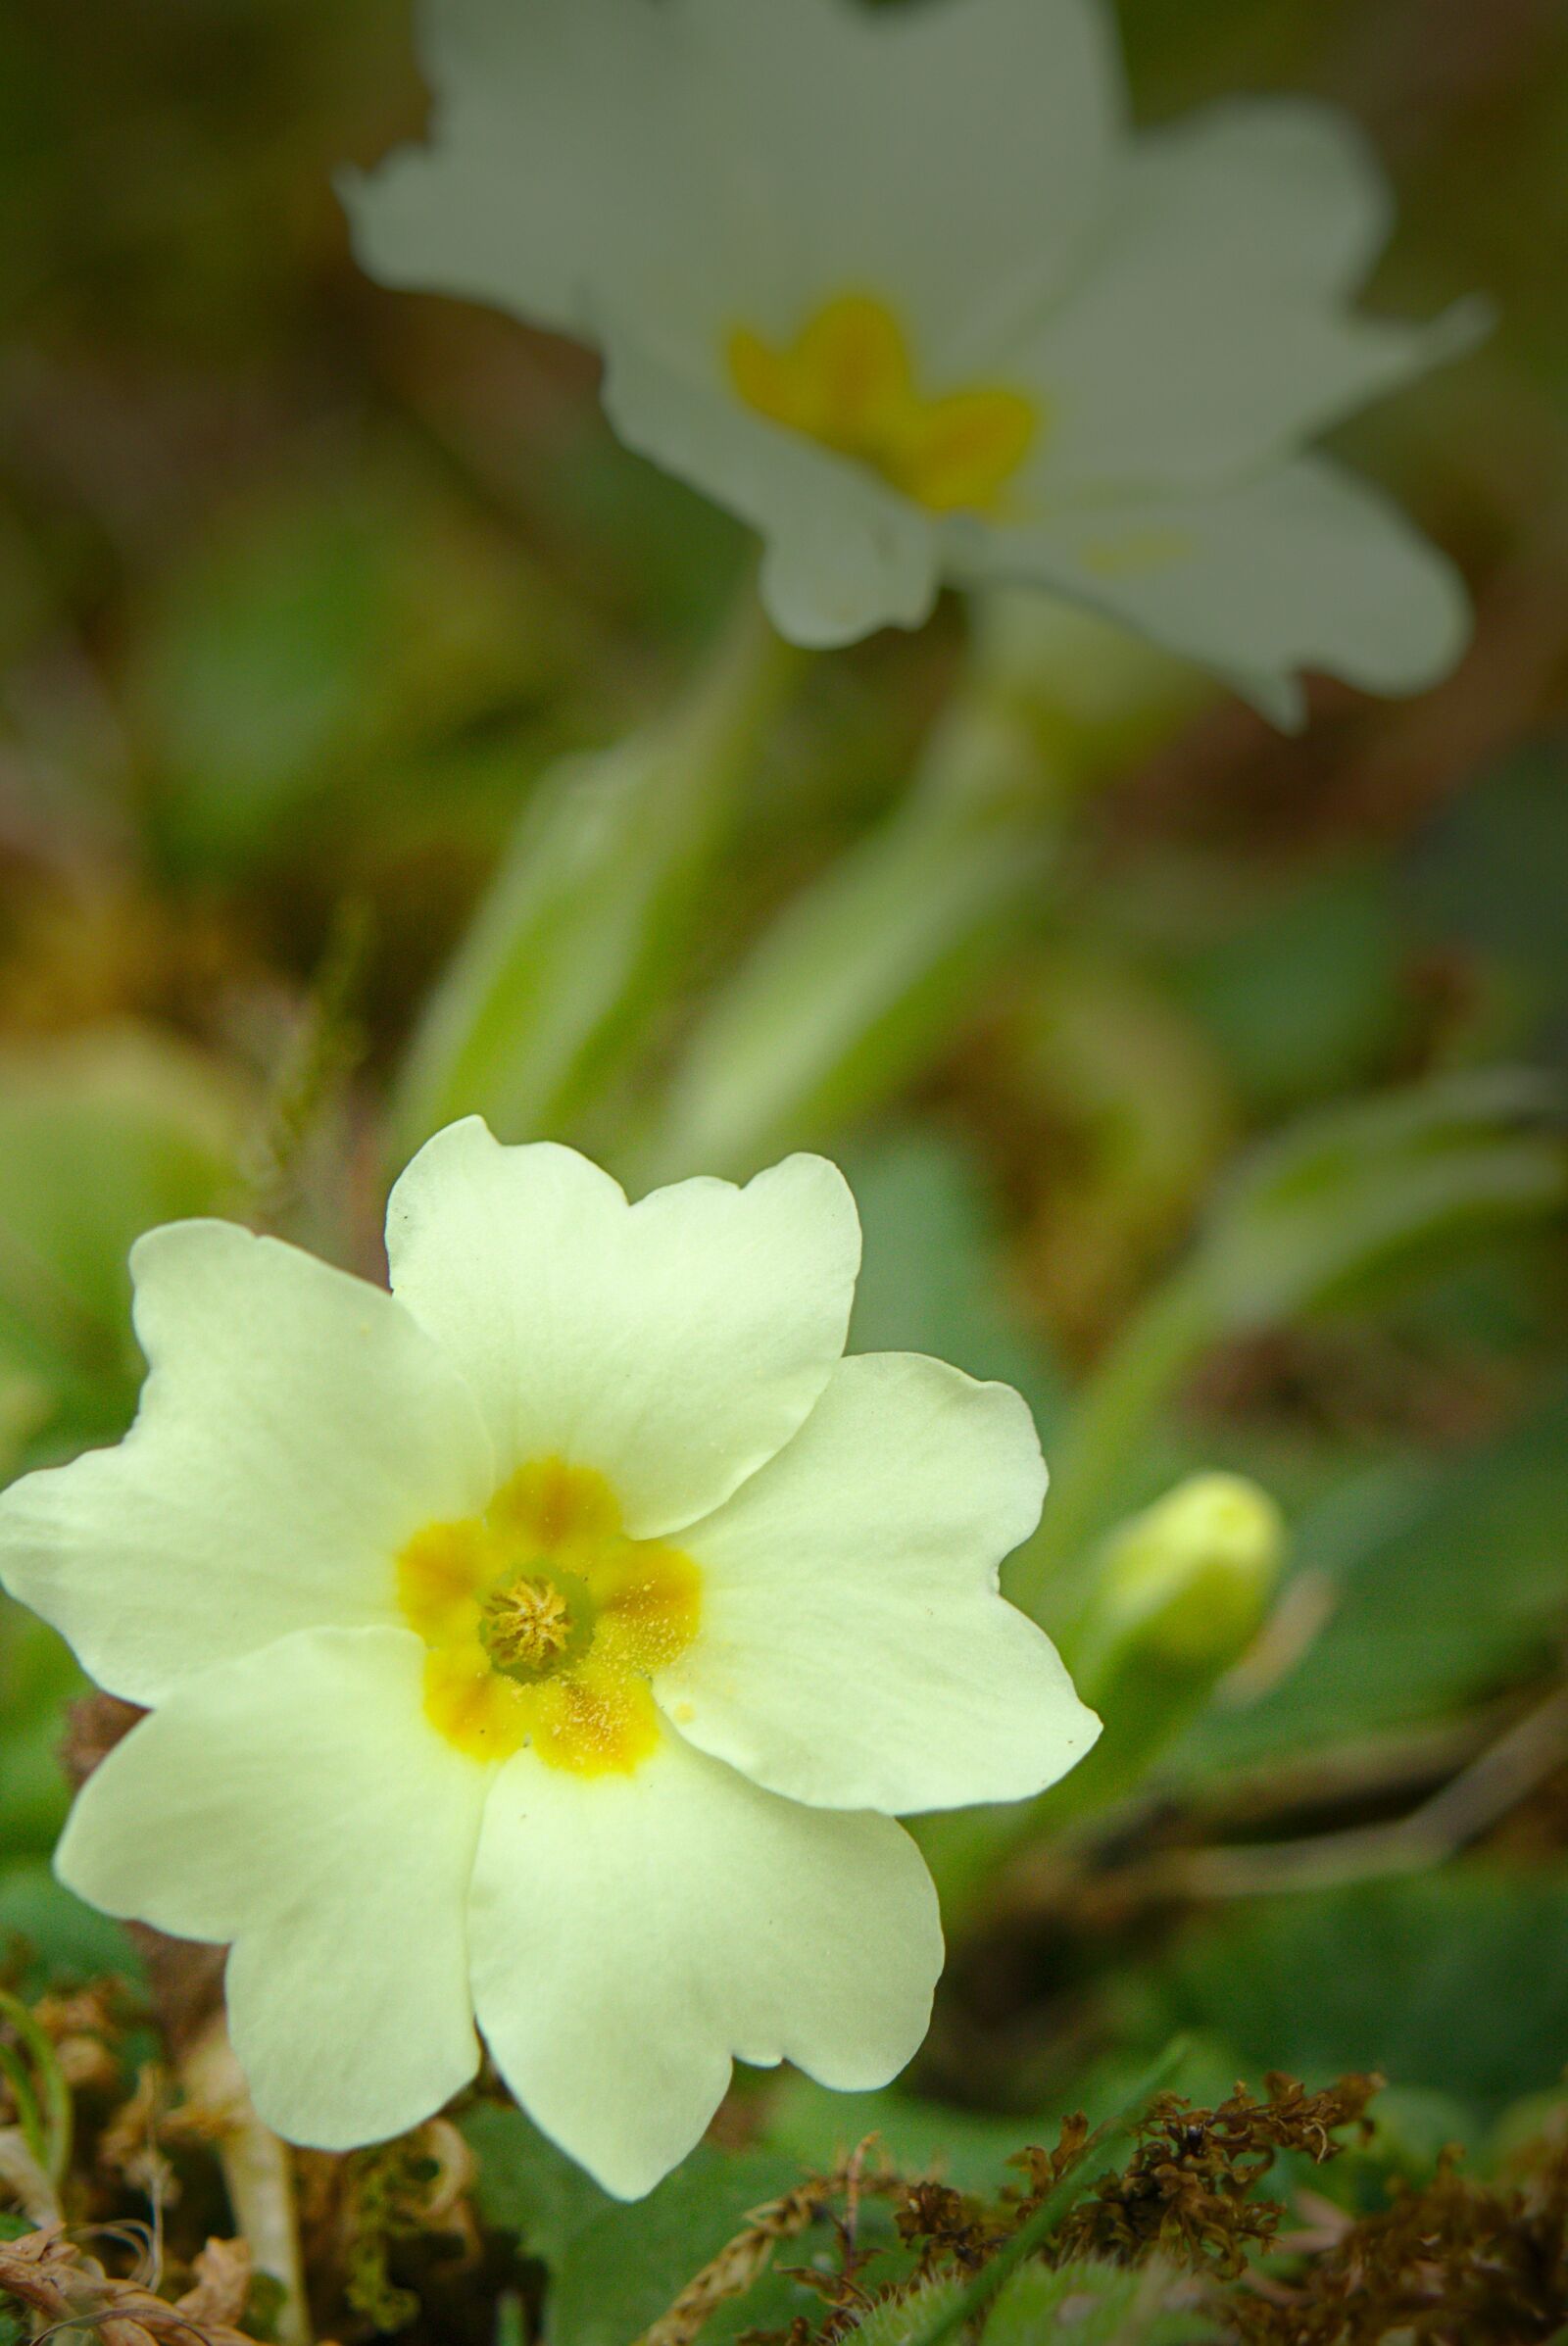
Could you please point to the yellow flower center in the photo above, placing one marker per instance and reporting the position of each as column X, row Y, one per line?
column 848, row 380
column 526, row 1625
column 544, row 1623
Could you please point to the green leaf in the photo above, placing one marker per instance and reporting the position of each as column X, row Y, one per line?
column 337, row 620
column 1304, row 997
column 614, row 2267
column 1446, row 1583
column 1089, row 2304
column 976, row 2294
column 1491, row 875
column 525, row 2186
column 857, row 981
column 931, row 1277
column 667, row 556
column 1412, row 2126
column 1455, row 1982
column 100, row 1138
column 626, row 2267
column 898, row 2321
column 1366, row 1186
column 64, row 1937
column 1093, row 690
column 1127, row 1092
column 583, row 926
column 867, row 970
column 37, row 1679
column 1335, row 1205
column 962, row 2147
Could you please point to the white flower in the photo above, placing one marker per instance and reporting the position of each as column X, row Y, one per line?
column 902, row 290
column 547, row 1645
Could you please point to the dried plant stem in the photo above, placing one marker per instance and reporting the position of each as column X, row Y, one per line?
column 743, row 2260
column 1476, row 1799
column 257, row 2175
column 976, row 2295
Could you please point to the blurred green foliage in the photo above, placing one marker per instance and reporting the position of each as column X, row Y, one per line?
column 1204, row 1086
column 1419, row 2003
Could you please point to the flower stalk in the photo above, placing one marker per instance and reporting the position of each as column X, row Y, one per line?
column 865, row 972
column 257, row 2177
column 592, row 905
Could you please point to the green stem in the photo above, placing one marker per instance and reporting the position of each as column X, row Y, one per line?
column 865, row 971
column 29, row 2117
column 1048, row 1578
column 592, row 905
column 49, row 2101
column 734, row 699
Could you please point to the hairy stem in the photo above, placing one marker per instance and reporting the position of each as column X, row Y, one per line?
column 257, row 2174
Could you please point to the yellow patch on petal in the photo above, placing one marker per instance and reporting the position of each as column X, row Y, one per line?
column 544, row 1623
column 848, row 381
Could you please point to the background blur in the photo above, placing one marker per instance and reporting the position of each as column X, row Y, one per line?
column 303, row 584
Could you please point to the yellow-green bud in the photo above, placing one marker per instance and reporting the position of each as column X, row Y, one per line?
column 1179, row 1594
column 1191, row 1578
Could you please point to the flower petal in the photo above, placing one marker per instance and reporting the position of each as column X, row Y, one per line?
column 559, row 153
column 296, row 1802
column 708, row 162
column 672, row 1345
column 853, row 1651
column 1304, row 569
column 749, row 160
column 632, row 1932
column 844, row 554
column 296, row 1428
column 1212, row 334
column 848, row 141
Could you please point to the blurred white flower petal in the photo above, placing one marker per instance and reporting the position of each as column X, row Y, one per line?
column 902, row 290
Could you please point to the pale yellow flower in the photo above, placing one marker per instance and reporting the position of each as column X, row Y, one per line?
column 902, row 290
column 545, row 1647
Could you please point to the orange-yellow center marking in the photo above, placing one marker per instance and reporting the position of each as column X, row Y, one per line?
column 848, row 380
column 544, row 1623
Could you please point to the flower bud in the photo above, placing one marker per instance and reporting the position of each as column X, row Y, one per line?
column 1190, row 1579
column 1179, row 1594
